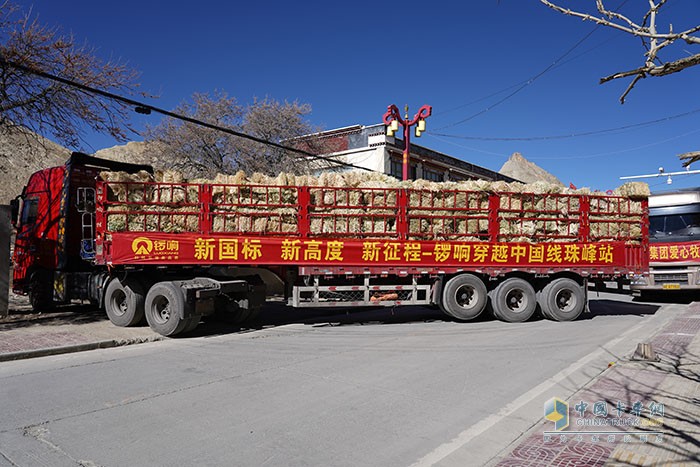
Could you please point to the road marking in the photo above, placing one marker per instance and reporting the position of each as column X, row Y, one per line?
column 446, row 449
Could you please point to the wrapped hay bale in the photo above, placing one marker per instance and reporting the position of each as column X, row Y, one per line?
column 169, row 176
column 116, row 222
column 377, row 194
column 475, row 185
column 477, row 227
column 177, row 223
column 500, row 186
column 126, row 187
column 381, row 223
column 634, row 190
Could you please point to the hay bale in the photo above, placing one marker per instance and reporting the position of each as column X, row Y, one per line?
column 634, row 190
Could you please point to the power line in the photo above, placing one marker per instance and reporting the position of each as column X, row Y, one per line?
column 572, row 157
column 144, row 108
column 571, row 135
column 523, row 86
column 527, row 82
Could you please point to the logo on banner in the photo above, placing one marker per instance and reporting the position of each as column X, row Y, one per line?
column 142, row 246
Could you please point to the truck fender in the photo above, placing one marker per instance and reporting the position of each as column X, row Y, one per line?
column 96, row 288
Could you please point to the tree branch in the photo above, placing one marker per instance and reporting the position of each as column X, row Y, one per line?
column 653, row 66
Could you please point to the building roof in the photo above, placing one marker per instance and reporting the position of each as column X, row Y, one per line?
column 357, row 137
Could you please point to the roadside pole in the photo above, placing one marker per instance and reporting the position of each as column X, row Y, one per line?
column 5, row 233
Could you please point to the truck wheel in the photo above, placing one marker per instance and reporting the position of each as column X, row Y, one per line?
column 513, row 300
column 192, row 323
column 254, row 312
column 464, row 297
column 124, row 302
column 562, row 299
column 41, row 290
column 165, row 306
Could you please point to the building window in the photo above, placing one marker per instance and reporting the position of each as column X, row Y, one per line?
column 396, row 169
column 433, row 175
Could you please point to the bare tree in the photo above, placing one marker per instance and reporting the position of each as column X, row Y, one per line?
column 199, row 151
column 689, row 157
column 653, row 40
column 48, row 107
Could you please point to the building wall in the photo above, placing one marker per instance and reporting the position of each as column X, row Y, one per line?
column 371, row 148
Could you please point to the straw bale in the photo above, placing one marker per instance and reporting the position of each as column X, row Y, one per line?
column 477, row 226
column 169, row 176
column 541, row 187
column 633, row 190
column 477, row 185
column 377, row 193
column 121, row 182
column 258, row 179
column 116, row 222
column 500, row 186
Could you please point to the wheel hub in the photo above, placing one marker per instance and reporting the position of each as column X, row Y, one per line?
column 465, row 296
column 565, row 300
column 515, row 300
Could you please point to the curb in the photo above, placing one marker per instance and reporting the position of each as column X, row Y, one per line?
column 106, row 344
column 669, row 342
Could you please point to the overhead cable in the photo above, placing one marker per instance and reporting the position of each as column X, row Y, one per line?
column 144, row 108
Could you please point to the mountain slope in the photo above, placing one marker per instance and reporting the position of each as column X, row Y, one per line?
column 528, row 172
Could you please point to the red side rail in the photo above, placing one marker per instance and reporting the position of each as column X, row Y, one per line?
column 369, row 227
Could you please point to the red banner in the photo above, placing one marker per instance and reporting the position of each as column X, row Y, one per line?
column 180, row 249
column 674, row 252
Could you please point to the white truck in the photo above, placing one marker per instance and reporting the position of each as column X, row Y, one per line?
column 674, row 244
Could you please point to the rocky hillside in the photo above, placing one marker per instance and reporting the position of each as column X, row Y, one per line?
column 135, row 152
column 522, row 169
column 21, row 154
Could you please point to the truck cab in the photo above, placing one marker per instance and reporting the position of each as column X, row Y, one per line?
column 674, row 243
column 54, row 219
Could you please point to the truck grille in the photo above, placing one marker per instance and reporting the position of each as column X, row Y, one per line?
column 678, row 278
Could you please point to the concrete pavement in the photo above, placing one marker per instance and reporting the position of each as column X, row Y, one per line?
column 26, row 334
column 668, row 389
column 638, row 412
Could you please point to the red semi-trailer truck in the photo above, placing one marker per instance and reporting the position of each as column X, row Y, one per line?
column 176, row 252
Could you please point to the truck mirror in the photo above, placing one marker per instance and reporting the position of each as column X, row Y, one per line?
column 14, row 211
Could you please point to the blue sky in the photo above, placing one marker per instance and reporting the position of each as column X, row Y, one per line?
column 350, row 60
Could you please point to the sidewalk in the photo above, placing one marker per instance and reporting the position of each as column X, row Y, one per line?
column 24, row 334
column 637, row 413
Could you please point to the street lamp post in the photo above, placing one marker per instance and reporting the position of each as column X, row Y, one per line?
column 392, row 119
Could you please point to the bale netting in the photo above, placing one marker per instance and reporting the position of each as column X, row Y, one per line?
column 365, row 205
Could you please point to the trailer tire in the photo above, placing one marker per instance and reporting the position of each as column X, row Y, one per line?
column 562, row 299
column 464, row 297
column 165, row 305
column 513, row 300
column 41, row 290
column 124, row 302
column 192, row 323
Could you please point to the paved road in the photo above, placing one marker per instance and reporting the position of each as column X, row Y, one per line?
column 407, row 388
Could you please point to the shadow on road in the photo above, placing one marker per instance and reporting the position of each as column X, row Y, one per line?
column 66, row 314
column 276, row 314
column 671, row 296
column 606, row 307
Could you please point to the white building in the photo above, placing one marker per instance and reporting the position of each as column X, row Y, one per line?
column 370, row 147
